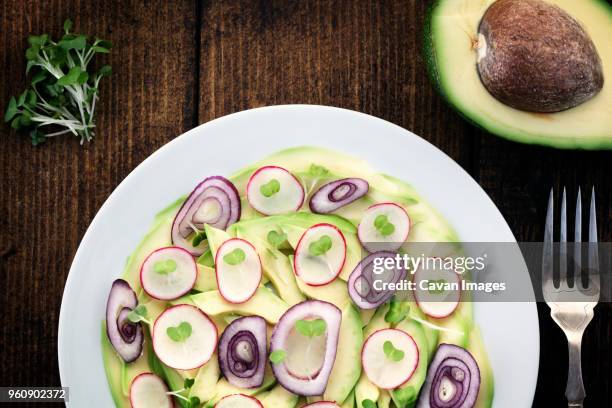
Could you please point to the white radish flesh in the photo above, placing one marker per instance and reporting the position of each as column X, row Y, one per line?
column 148, row 390
column 274, row 190
column 238, row 270
column 168, row 273
column 384, row 227
column 184, row 337
column 437, row 291
column 386, row 370
column 320, row 254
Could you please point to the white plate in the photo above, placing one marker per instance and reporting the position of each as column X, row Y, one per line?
column 224, row 145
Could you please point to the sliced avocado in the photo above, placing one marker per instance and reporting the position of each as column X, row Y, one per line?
column 175, row 382
column 365, row 390
column 384, row 400
column 335, row 292
column 215, row 238
column 114, row 368
column 407, row 394
column 347, row 366
column 457, row 330
column 206, row 280
column 264, row 303
column 204, row 386
column 223, row 388
column 477, row 348
column 453, row 47
column 349, row 402
column 279, row 397
column 276, row 266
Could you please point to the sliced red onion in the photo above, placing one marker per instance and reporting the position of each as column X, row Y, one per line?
column 215, row 201
column 125, row 336
column 242, row 352
column 361, row 283
column 337, row 194
column 453, row 379
column 284, row 331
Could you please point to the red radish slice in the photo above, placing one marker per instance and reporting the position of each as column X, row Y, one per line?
column 238, row 270
column 148, row 390
column 184, row 337
column 322, row 404
column 238, row 401
column 437, row 290
column 320, row 254
column 384, row 227
column 274, row 190
column 215, row 201
column 125, row 336
column 389, row 358
column 337, row 194
column 168, row 273
column 308, row 361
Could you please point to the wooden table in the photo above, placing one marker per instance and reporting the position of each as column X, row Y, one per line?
column 181, row 63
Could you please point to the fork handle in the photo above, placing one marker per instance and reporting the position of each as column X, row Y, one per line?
column 575, row 387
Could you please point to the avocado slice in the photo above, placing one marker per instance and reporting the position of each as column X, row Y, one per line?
column 451, row 49
column 407, row 394
column 204, row 386
column 278, row 397
column 347, row 366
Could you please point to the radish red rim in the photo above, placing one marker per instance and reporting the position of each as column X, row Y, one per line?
column 320, row 254
column 389, row 358
column 384, row 227
column 168, row 273
column 238, row 270
column 440, row 301
column 184, row 337
column 238, row 401
column 273, row 190
column 148, row 390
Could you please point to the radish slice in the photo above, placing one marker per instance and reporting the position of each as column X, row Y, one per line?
column 238, row 401
column 273, row 190
column 307, row 358
column 320, row 254
column 148, row 390
column 322, row 404
column 125, row 336
column 389, row 358
column 215, row 201
column 384, row 227
column 168, row 273
column 337, row 194
column 184, row 337
column 437, row 291
column 238, row 270
column 366, row 286
column 242, row 352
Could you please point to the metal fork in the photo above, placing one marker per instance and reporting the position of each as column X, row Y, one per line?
column 571, row 306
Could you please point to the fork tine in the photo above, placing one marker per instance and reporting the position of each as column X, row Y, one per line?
column 563, row 242
column 578, row 239
column 547, row 250
column 593, row 250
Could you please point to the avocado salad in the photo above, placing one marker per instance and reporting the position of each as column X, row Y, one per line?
column 256, row 291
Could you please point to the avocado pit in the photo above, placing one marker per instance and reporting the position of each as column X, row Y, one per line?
column 534, row 56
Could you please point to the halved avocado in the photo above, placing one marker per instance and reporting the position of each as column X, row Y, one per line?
column 451, row 47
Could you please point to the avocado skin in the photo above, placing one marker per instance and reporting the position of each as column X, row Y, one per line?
column 431, row 65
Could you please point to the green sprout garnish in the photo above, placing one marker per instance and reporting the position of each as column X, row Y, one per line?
column 317, row 171
column 270, row 188
column 139, row 314
column 320, row 246
column 198, row 238
column 311, row 328
column 384, row 227
column 276, row 239
column 391, row 352
column 180, row 332
column 397, row 312
column 63, row 89
column 368, row 403
column 437, row 286
column 277, row 356
column 165, row 267
column 235, row 257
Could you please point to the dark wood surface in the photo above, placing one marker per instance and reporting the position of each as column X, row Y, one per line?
column 178, row 64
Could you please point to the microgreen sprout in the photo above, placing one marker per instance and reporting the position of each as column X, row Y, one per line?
column 391, row 352
column 270, row 188
column 384, row 227
column 320, row 246
column 277, row 356
column 139, row 314
column 234, row 257
column 179, row 333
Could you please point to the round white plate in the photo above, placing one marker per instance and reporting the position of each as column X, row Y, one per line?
column 510, row 330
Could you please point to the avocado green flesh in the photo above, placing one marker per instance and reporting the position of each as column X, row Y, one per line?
column 450, row 31
column 281, row 288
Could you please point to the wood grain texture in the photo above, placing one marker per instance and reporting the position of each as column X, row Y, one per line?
column 180, row 64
